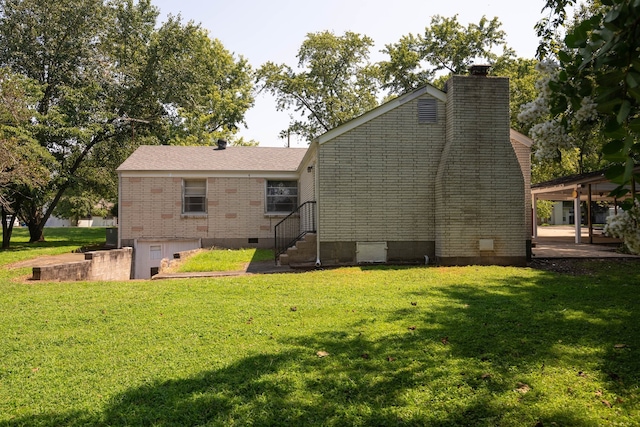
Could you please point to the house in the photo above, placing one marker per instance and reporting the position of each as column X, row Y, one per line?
column 431, row 173
column 174, row 198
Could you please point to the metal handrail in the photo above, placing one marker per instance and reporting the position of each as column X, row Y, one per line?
column 294, row 226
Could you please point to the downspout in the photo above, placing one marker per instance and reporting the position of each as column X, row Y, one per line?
column 316, row 191
column 577, row 215
column 534, row 216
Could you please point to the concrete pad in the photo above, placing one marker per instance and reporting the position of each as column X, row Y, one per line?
column 558, row 242
column 44, row 261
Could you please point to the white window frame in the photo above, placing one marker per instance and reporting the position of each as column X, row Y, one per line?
column 194, row 188
column 155, row 252
column 278, row 189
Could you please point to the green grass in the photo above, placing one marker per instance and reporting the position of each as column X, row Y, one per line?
column 224, row 259
column 486, row 346
column 58, row 240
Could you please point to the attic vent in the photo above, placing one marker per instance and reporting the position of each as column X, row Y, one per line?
column 427, row 111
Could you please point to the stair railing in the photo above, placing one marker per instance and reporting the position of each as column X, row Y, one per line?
column 294, row 226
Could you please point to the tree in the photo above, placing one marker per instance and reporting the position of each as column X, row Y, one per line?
column 522, row 76
column 544, row 210
column 109, row 80
column 566, row 143
column 599, row 71
column 208, row 89
column 22, row 161
column 446, row 46
column 598, row 64
column 336, row 83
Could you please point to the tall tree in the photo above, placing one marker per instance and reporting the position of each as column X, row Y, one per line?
column 445, row 46
column 522, row 76
column 335, row 84
column 598, row 66
column 22, row 161
column 599, row 71
column 110, row 79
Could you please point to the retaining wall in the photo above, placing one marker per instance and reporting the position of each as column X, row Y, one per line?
column 99, row 265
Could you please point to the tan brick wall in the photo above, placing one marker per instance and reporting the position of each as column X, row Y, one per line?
column 306, row 185
column 523, row 153
column 376, row 181
column 480, row 186
column 151, row 207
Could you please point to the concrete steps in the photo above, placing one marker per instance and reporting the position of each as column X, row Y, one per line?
column 303, row 252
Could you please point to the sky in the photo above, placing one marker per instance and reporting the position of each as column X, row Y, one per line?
column 262, row 31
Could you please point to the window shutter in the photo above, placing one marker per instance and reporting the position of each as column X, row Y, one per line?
column 427, row 111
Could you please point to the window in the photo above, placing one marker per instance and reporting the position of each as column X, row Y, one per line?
column 282, row 196
column 194, row 196
column 155, row 252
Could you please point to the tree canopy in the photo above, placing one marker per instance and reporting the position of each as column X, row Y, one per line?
column 22, row 160
column 591, row 92
column 445, row 46
column 109, row 78
column 336, row 82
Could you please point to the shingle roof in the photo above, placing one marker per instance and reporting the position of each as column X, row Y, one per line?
column 198, row 158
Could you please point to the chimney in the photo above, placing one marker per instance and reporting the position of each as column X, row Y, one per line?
column 478, row 173
column 479, row 70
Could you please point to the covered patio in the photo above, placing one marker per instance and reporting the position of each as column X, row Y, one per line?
column 578, row 240
column 587, row 187
column 559, row 242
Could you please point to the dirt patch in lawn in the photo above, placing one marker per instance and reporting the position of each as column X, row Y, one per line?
column 579, row 266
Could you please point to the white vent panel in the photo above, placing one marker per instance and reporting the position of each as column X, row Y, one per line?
column 369, row 252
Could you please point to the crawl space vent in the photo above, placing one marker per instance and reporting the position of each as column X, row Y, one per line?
column 370, row 252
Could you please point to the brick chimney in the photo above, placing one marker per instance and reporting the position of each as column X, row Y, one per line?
column 480, row 212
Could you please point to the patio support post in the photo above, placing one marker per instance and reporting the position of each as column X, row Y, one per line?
column 577, row 214
column 589, row 215
column 534, row 215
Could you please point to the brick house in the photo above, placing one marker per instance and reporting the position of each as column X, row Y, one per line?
column 430, row 173
column 174, row 198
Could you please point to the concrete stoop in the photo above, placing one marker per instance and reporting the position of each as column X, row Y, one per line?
column 304, row 251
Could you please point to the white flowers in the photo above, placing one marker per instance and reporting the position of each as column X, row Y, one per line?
column 550, row 136
column 534, row 111
column 547, row 66
column 626, row 225
column 587, row 112
column 548, row 133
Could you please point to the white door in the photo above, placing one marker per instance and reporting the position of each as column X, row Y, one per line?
column 150, row 253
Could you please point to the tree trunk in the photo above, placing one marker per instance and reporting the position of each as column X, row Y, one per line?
column 35, row 224
column 8, row 220
column 35, row 231
column 6, row 237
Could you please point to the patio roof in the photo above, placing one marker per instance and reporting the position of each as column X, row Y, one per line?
column 565, row 188
column 586, row 187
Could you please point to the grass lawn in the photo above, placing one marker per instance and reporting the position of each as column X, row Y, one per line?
column 58, row 240
column 223, row 260
column 487, row 346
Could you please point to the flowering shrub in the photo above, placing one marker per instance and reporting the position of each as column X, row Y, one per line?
column 551, row 134
column 626, row 225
